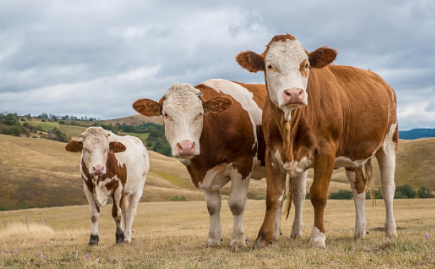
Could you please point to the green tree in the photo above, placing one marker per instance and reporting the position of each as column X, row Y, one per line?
column 341, row 195
column 406, row 190
column 15, row 130
column 424, row 192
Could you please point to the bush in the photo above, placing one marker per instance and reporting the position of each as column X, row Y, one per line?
column 15, row 130
column 424, row 192
column 399, row 195
column 341, row 195
column 406, row 190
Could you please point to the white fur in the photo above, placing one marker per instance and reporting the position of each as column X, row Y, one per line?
column 285, row 58
column 242, row 96
column 294, row 168
column 359, row 200
column 277, row 228
column 386, row 156
column 216, row 177
column 343, row 161
column 317, row 238
column 299, row 191
column 213, row 199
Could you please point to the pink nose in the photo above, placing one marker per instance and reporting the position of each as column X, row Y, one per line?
column 97, row 170
column 294, row 96
column 186, row 148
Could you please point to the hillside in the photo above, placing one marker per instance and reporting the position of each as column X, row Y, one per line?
column 40, row 173
column 417, row 133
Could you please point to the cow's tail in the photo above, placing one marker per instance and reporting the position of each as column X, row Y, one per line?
column 289, row 200
column 368, row 168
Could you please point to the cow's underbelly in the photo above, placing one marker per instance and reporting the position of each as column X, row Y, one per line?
column 343, row 161
column 216, row 177
column 294, row 168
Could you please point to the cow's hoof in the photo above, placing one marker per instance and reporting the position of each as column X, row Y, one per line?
column 259, row 243
column 297, row 231
column 360, row 234
column 213, row 243
column 93, row 241
column 120, row 238
column 391, row 235
column 237, row 243
column 317, row 238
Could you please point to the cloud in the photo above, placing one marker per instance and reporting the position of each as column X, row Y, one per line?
column 97, row 57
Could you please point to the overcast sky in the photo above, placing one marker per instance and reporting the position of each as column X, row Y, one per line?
column 96, row 58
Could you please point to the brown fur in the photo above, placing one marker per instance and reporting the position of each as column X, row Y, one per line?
column 148, row 107
column 216, row 105
column 349, row 113
column 250, row 61
column 74, row 146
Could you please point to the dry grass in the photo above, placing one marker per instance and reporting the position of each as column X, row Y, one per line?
column 172, row 235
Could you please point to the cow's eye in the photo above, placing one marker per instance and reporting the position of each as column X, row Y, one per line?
column 269, row 66
column 306, row 66
column 166, row 115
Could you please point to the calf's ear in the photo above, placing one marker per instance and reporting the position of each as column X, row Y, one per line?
column 148, row 107
column 74, row 146
column 216, row 105
column 117, row 147
column 322, row 57
column 251, row 61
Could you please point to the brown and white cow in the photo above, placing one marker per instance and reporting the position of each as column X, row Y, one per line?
column 215, row 130
column 112, row 167
column 322, row 116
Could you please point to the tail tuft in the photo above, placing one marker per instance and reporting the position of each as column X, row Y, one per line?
column 289, row 200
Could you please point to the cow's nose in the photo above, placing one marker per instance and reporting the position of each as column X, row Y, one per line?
column 186, row 148
column 293, row 96
column 97, row 169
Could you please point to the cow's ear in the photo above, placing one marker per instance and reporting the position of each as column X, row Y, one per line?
column 74, row 146
column 116, row 147
column 251, row 61
column 322, row 57
column 216, row 105
column 148, row 107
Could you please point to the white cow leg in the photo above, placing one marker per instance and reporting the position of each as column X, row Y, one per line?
column 356, row 180
column 213, row 199
column 124, row 206
column 95, row 217
column 237, row 202
column 299, row 191
column 117, row 214
column 386, row 156
column 131, row 213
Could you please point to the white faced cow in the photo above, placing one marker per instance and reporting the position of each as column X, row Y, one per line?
column 112, row 167
column 215, row 130
column 323, row 116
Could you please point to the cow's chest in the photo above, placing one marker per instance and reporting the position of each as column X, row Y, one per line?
column 216, row 177
column 293, row 168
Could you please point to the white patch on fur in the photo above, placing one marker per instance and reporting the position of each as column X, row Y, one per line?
column 213, row 200
column 359, row 200
column 285, row 58
column 244, row 97
column 317, row 238
column 343, row 161
column 294, row 168
column 298, row 188
column 216, row 177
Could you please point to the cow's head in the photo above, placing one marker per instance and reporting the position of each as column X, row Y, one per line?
column 95, row 147
column 183, row 111
column 286, row 65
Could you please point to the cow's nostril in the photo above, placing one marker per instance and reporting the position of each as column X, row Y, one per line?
column 301, row 92
column 287, row 93
column 193, row 145
column 179, row 146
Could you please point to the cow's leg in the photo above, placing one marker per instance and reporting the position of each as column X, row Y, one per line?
column 277, row 228
column 299, row 191
column 356, row 180
column 95, row 216
column 275, row 192
column 386, row 156
column 237, row 202
column 323, row 168
column 117, row 214
column 124, row 207
column 131, row 213
column 213, row 199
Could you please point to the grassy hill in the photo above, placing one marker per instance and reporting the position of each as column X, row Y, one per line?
column 40, row 173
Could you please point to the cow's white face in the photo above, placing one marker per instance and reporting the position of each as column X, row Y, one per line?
column 183, row 116
column 95, row 150
column 183, row 111
column 287, row 70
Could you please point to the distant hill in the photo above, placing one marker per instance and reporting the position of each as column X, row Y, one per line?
column 417, row 133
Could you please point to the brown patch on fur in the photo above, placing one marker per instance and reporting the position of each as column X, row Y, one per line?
column 148, row 107
column 360, row 181
column 304, row 69
column 116, row 147
column 322, row 57
column 93, row 219
column 74, row 146
column 216, row 105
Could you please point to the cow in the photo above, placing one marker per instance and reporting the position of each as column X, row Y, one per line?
column 322, row 116
column 215, row 130
column 112, row 166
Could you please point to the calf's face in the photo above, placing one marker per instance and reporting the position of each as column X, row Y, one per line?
column 183, row 112
column 286, row 65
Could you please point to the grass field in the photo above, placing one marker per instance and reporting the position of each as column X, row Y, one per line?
column 173, row 235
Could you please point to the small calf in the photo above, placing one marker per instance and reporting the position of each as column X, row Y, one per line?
column 112, row 166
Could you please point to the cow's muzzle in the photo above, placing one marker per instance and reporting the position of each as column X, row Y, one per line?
column 186, row 149
column 294, row 96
